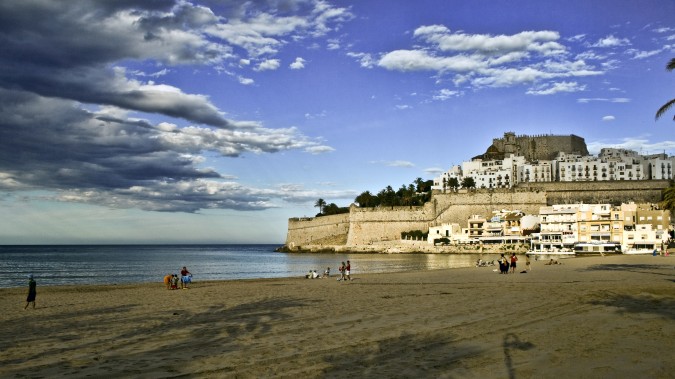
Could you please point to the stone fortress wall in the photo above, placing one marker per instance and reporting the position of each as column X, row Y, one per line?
column 364, row 226
column 538, row 147
column 325, row 230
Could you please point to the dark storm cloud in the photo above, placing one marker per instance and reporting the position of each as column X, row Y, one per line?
column 50, row 144
column 57, row 55
column 66, row 49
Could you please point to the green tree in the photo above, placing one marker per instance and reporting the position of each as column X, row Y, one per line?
column 453, row 183
column 670, row 67
column 419, row 185
column 320, row 204
column 468, row 182
column 367, row 199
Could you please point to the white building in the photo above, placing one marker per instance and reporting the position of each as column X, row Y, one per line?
column 610, row 164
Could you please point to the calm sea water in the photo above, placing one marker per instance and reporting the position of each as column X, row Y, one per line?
column 80, row 264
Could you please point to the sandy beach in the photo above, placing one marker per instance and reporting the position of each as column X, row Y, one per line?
column 591, row 317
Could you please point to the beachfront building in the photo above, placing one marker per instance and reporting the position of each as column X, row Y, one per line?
column 643, row 239
column 449, row 234
column 476, row 226
column 594, row 223
column 557, row 228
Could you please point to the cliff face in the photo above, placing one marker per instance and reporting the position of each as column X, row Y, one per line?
column 364, row 226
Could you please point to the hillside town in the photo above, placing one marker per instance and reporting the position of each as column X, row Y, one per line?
column 566, row 228
column 511, row 161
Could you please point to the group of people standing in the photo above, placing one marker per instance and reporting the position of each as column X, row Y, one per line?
column 511, row 263
column 345, row 271
column 171, row 281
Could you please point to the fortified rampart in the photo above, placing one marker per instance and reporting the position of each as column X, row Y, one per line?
column 364, row 226
column 325, row 230
column 611, row 192
column 537, row 147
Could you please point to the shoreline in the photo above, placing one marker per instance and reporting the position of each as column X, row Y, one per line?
column 611, row 316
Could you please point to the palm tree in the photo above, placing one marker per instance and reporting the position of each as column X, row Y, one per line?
column 320, row 204
column 670, row 67
column 669, row 197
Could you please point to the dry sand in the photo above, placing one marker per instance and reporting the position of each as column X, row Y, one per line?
column 595, row 317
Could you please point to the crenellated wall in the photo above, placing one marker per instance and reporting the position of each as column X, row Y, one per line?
column 363, row 226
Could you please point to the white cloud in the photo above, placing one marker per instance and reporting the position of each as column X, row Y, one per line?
column 435, row 171
column 320, row 149
column 365, row 60
column 298, row 64
column 601, row 99
column 445, row 94
column 245, row 81
column 403, row 106
column 481, row 60
column 608, row 118
column 420, row 60
column 611, row 41
column 641, row 144
column 541, row 41
column 643, row 54
column 397, row 163
column 590, row 55
column 268, row 65
column 553, row 88
column 333, row 44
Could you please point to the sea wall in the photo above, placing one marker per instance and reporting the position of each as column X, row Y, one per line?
column 325, row 230
column 368, row 225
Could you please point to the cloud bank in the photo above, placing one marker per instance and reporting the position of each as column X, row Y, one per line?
column 70, row 101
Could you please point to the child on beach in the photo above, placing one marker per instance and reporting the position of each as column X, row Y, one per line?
column 167, row 281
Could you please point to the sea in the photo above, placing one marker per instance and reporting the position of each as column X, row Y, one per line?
column 113, row 264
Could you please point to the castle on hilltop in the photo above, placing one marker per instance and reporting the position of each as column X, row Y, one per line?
column 514, row 160
column 534, row 148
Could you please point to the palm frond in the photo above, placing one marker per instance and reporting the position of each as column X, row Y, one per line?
column 665, row 109
column 671, row 65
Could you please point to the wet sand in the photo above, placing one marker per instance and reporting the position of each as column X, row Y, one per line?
column 593, row 317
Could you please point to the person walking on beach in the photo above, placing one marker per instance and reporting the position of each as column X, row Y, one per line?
column 503, row 265
column 32, row 291
column 528, row 266
column 514, row 259
column 348, row 269
column 342, row 272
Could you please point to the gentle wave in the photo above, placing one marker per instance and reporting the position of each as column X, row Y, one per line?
column 85, row 264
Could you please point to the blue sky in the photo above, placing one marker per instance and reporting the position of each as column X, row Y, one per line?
column 214, row 122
